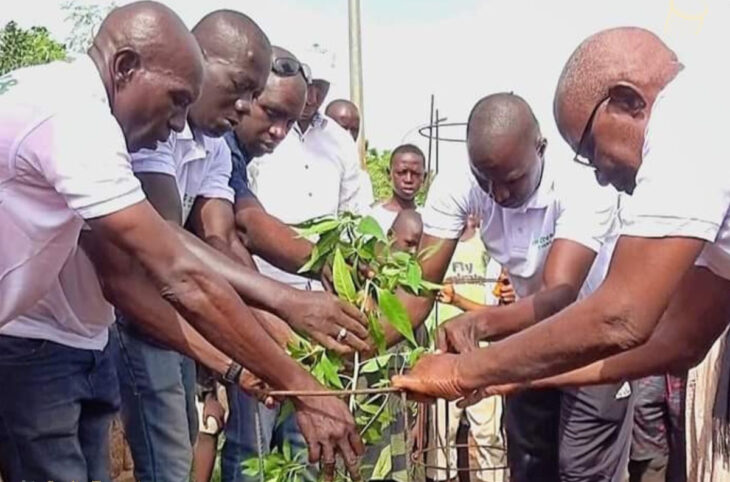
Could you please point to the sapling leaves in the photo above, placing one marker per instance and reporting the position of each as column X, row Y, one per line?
column 343, row 280
column 396, row 314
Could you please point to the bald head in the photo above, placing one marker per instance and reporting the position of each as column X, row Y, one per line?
column 346, row 114
column 292, row 88
column 505, row 146
column 151, row 68
column 406, row 230
column 237, row 59
column 603, row 60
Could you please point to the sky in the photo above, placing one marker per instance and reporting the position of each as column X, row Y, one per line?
column 457, row 50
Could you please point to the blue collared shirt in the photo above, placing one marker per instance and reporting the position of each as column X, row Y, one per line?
column 239, row 159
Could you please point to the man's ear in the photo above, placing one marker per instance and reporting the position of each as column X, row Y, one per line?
column 541, row 147
column 627, row 98
column 126, row 61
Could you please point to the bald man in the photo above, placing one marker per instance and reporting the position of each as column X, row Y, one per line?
column 69, row 162
column 346, row 114
column 629, row 110
column 187, row 180
column 549, row 238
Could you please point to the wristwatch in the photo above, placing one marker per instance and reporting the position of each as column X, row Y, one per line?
column 233, row 373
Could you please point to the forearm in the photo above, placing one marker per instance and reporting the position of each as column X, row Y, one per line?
column 418, row 309
column 465, row 304
column 253, row 287
column 271, row 239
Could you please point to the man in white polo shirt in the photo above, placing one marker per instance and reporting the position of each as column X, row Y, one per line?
column 629, row 109
column 189, row 175
column 548, row 238
column 142, row 73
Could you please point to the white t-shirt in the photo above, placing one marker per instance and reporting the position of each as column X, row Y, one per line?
column 683, row 184
column 63, row 159
column 385, row 217
column 309, row 175
column 201, row 166
column 566, row 205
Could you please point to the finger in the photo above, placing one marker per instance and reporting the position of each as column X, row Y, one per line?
column 352, row 327
column 331, row 344
column 315, row 450
column 328, row 461
column 270, row 402
column 471, row 399
column 357, row 343
column 352, row 462
column 412, row 385
column 353, row 313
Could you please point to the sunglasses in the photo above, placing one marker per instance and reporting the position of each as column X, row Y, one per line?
column 580, row 158
column 289, row 67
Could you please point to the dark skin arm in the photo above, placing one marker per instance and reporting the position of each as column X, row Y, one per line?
column 619, row 316
column 697, row 315
column 317, row 314
column 325, row 421
column 270, row 238
column 566, row 267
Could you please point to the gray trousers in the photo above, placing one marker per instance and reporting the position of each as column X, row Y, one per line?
column 572, row 435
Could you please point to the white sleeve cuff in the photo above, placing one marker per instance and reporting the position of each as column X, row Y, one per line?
column 218, row 192
column 151, row 165
column 113, row 205
column 665, row 227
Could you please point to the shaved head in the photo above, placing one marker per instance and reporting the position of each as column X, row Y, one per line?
column 624, row 54
column 505, row 146
column 151, row 67
column 237, row 59
column 604, row 97
column 346, row 114
column 406, row 230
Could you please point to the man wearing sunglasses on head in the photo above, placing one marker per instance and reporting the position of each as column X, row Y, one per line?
column 187, row 179
column 631, row 111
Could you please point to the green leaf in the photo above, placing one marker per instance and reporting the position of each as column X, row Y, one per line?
column 414, row 277
column 375, row 364
column 427, row 285
column 343, row 280
column 370, row 227
column 376, row 331
column 396, row 314
column 384, row 464
column 415, row 354
column 313, row 258
column 317, row 225
column 287, row 409
column 287, row 449
column 402, row 258
column 329, row 369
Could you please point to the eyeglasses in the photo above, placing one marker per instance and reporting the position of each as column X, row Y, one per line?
column 580, row 158
column 289, row 67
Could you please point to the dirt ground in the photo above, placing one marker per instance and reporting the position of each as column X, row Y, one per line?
column 121, row 458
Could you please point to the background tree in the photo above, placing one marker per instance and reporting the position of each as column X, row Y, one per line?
column 21, row 48
column 85, row 19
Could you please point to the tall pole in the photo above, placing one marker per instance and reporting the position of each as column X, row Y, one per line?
column 356, row 72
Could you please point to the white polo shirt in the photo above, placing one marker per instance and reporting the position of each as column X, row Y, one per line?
column 74, row 312
column 385, row 217
column 683, row 184
column 63, row 159
column 310, row 174
column 201, row 166
column 566, row 205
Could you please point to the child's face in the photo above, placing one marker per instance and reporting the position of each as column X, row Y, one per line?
column 405, row 239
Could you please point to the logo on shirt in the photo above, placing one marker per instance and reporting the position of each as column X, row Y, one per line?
column 543, row 241
column 7, row 81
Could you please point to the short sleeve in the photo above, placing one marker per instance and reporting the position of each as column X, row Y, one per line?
column 239, row 179
column 160, row 160
column 588, row 213
column 85, row 159
column 450, row 199
column 217, row 178
column 681, row 186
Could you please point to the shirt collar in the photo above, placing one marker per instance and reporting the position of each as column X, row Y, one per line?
column 318, row 122
column 545, row 192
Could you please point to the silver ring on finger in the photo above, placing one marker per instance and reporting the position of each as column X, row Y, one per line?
column 341, row 334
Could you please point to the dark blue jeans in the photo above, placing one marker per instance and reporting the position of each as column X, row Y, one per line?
column 56, row 408
column 241, row 440
column 158, row 406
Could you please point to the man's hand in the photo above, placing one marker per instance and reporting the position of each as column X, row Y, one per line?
column 459, row 335
column 213, row 413
column 434, row 376
column 328, row 427
column 322, row 316
column 257, row 388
